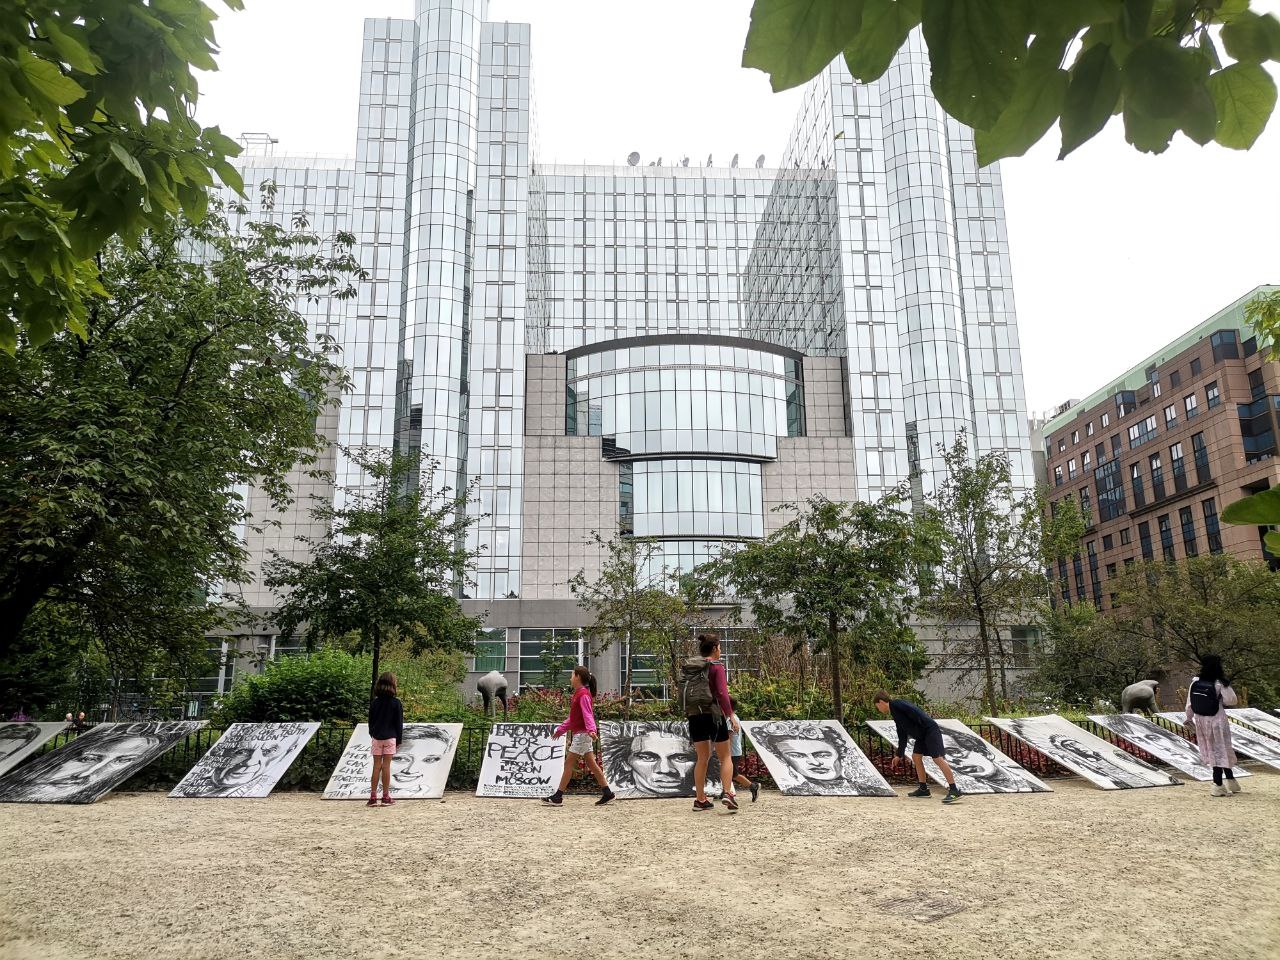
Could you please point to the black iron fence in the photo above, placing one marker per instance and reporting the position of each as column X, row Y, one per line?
column 310, row 772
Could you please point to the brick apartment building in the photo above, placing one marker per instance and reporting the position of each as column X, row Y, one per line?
column 1153, row 457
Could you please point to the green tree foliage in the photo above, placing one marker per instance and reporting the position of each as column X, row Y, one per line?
column 1201, row 605
column 1262, row 509
column 995, row 545
column 840, row 576
column 1083, row 656
column 1012, row 68
column 97, row 139
column 390, row 565
column 329, row 685
column 638, row 601
column 123, row 449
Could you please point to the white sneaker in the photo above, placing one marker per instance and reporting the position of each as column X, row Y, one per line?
column 1218, row 791
column 1233, row 785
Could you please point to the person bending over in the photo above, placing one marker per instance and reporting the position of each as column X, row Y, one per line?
column 914, row 724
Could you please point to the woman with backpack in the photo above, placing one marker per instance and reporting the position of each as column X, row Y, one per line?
column 1208, row 696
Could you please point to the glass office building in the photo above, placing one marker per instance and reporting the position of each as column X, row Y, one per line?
column 653, row 351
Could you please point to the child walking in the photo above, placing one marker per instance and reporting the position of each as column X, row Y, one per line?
column 735, row 751
column 386, row 730
column 581, row 727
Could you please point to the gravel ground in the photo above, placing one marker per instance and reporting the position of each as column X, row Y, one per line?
column 1080, row 873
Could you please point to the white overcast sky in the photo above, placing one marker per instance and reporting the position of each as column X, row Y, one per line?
column 1114, row 253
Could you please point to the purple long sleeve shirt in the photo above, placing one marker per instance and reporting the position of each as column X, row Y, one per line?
column 719, row 682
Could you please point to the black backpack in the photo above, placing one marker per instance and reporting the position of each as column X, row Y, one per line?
column 1205, row 701
column 695, row 689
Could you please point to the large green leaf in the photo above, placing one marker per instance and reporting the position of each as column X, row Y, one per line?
column 1252, row 38
column 793, row 40
column 50, row 82
column 1148, row 134
column 974, row 48
column 1037, row 103
column 885, row 25
column 1160, row 78
column 1091, row 97
column 1245, row 96
column 1260, row 509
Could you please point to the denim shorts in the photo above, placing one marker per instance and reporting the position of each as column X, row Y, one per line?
column 581, row 743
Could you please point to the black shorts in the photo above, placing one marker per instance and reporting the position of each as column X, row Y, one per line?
column 705, row 726
column 930, row 745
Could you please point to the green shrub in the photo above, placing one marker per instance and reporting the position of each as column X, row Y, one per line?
column 328, row 685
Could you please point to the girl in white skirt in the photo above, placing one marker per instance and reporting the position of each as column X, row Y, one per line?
column 581, row 727
column 1208, row 697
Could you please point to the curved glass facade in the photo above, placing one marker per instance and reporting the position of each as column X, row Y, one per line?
column 686, row 398
column 692, row 498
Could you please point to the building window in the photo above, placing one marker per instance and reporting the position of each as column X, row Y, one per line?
column 1062, row 445
column 1257, row 387
column 1226, row 345
column 1108, row 542
column 1195, row 368
column 1101, row 451
column 548, row 656
column 1126, row 403
column 1179, row 467
column 1135, row 481
column 1088, row 429
column 1111, row 570
column 1157, row 477
column 1166, row 537
column 1155, row 389
column 1140, row 433
column 1257, row 430
column 1213, row 533
column 1126, row 537
column 1106, row 419
column 1110, row 487
column 1144, row 540
column 1175, row 379
column 1250, row 346
column 1200, row 456
column 1075, row 437
column 1086, row 461
column 1192, row 404
column 1187, row 520
column 1170, row 415
column 1211, row 396
column 1086, row 508
column 1057, row 476
column 1072, row 469
column 1116, row 444
column 491, row 651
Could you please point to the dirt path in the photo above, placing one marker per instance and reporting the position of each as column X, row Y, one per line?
column 1079, row 873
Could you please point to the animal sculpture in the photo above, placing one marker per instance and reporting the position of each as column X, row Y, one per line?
column 493, row 685
column 1140, row 696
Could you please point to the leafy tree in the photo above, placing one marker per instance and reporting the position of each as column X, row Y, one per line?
column 390, row 565
column 1012, row 68
column 97, row 139
column 1083, row 656
column 1261, row 509
column 637, row 600
column 995, row 546
column 838, row 575
column 329, row 685
column 124, row 449
column 1200, row 605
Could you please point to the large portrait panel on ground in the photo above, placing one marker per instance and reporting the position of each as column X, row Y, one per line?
column 419, row 768
column 978, row 766
column 94, row 763
column 20, row 740
column 1101, row 763
column 647, row 759
column 815, row 758
column 1259, row 719
column 521, row 760
column 1248, row 743
column 1162, row 743
column 247, row 761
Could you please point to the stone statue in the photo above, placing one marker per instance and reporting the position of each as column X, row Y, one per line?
column 493, row 684
column 1140, row 696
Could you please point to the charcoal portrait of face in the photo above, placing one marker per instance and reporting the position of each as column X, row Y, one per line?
column 978, row 766
column 1093, row 758
column 651, row 759
column 419, row 767
column 1161, row 743
column 247, row 761
column 815, row 758
column 19, row 740
column 94, row 763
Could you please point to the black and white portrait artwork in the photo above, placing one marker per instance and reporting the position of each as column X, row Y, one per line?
column 419, row 768
column 1162, row 743
column 94, row 763
column 1102, row 764
column 815, row 758
column 1258, row 719
column 247, row 761
column 521, row 760
column 1247, row 743
column 646, row 759
column 20, row 740
column 978, row 766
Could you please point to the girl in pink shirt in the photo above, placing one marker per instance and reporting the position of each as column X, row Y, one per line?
column 581, row 727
